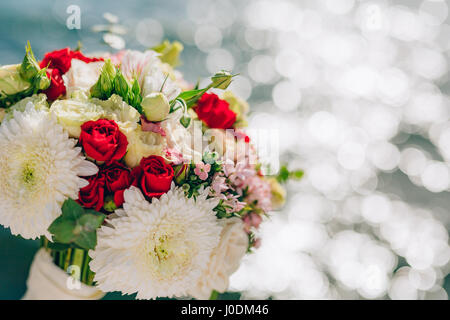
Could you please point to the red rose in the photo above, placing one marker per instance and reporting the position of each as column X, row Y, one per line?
column 92, row 196
column 153, row 176
column 215, row 112
column 62, row 59
column 103, row 141
column 57, row 87
column 58, row 63
column 117, row 180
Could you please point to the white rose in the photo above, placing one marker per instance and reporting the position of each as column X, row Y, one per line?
column 118, row 110
column 82, row 75
column 71, row 114
column 11, row 81
column 225, row 259
column 142, row 144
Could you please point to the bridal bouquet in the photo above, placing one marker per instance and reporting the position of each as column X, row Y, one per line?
column 134, row 180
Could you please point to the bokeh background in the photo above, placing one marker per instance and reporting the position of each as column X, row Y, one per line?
column 359, row 91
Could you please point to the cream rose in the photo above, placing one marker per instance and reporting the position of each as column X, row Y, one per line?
column 82, row 75
column 143, row 144
column 225, row 259
column 118, row 110
column 11, row 81
column 71, row 114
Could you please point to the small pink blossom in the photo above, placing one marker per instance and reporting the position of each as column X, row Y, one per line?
column 219, row 184
column 259, row 190
column 233, row 204
column 175, row 156
column 202, row 170
column 252, row 220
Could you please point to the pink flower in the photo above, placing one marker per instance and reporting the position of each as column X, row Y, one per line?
column 257, row 243
column 202, row 170
column 219, row 184
column 175, row 156
column 252, row 220
column 259, row 190
column 233, row 204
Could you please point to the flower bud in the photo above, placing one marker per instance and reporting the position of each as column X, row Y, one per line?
column 121, row 85
column 106, row 84
column 109, row 204
column 221, row 80
column 42, row 82
column 155, row 106
column 180, row 172
column 29, row 67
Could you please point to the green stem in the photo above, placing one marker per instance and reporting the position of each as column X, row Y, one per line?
column 72, row 256
column 214, row 295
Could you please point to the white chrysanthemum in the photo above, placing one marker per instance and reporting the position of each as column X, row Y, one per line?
column 156, row 249
column 39, row 170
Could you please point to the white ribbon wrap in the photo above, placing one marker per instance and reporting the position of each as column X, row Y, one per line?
column 47, row 281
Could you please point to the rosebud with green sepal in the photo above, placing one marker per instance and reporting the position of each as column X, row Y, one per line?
column 221, row 80
column 180, row 173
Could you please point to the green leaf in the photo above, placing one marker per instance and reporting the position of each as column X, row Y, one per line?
column 283, row 175
column 91, row 220
column 72, row 210
column 185, row 121
column 76, row 226
column 62, row 230
column 186, row 95
column 87, row 240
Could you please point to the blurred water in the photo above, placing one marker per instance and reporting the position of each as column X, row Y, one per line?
column 359, row 92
